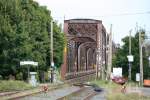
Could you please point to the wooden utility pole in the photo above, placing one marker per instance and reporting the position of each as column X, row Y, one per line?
column 51, row 53
column 109, row 54
column 130, row 42
column 129, row 76
column 141, row 58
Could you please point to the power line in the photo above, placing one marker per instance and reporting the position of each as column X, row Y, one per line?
column 125, row 14
column 119, row 14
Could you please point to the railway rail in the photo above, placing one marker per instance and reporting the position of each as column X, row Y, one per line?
column 85, row 93
column 20, row 94
column 8, row 93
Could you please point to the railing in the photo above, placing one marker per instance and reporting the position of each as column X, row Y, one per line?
column 79, row 74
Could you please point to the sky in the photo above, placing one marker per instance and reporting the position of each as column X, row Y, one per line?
column 122, row 14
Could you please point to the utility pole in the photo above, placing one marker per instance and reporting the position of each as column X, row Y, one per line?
column 149, row 60
column 109, row 54
column 141, row 59
column 130, row 42
column 98, row 52
column 51, row 53
column 129, row 55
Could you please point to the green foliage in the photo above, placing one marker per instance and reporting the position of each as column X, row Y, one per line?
column 19, row 76
column 120, row 59
column 13, row 85
column 24, row 35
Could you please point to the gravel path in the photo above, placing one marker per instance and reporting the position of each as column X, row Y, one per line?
column 143, row 90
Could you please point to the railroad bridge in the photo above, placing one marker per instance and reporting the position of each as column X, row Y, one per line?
column 85, row 51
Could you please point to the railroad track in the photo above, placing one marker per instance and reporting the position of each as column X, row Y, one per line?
column 8, row 93
column 20, row 94
column 85, row 93
column 90, row 95
column 80, row 79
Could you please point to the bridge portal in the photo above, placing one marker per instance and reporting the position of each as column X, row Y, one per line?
column 85, row 51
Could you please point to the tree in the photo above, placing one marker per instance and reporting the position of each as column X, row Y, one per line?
column 24, row 35
column 120, row 59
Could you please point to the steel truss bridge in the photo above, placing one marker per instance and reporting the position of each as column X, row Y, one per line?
column 85, row 50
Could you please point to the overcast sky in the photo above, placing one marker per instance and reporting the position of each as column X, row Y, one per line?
column 122, row 14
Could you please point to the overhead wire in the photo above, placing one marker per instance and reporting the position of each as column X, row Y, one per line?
column 119, row 14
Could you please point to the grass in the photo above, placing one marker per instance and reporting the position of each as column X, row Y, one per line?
column 133, row 84
column 12, row 85
column 105, row 84
column 112, row 85
column 120, row 96
column 114, row 91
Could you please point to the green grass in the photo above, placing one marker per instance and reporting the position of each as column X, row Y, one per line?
column 120, row 96
column 12, row 85
column 114, row 91
column 105, row 84
column 112, row 85
column 133, row 84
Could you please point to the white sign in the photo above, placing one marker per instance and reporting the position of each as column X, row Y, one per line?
column 130, row 58
column 103, row 62
column 52, row 64
column 137, row 77
column 117, row 72
column 149, row 58
column 29, row 63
